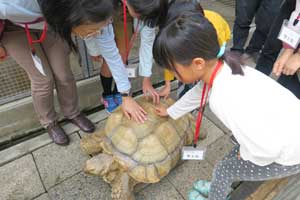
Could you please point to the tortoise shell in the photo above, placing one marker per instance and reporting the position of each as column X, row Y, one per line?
column 148, row 151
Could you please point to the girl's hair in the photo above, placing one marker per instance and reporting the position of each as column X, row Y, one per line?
column 64, row 15
column 151, row 12
column 187, row 36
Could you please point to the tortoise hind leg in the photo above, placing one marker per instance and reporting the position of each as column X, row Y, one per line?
column 122, row 187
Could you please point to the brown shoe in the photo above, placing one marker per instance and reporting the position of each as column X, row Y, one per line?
column 83, row 123
column 57, row 134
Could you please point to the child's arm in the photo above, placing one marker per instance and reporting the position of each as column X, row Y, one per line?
column 190, row 101
column 145, row 52
column 146, row 62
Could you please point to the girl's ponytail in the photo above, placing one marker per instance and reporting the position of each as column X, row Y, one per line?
column 234, row 61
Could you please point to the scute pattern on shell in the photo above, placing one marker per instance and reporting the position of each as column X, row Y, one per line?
column 147, row 151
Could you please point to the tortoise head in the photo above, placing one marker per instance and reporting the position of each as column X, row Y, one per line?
column 99, row 165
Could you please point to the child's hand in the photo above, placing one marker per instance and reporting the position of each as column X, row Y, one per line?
column 161, row 111
column 166, row 90
column 292, row 65
column 281, row 61
column 149, row 90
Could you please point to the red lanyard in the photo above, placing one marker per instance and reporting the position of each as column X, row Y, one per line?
column 130, row 45
column 204, row 98
column 29, row 38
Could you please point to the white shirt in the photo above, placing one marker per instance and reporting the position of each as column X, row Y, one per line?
column 262, row 115
column 21, row 11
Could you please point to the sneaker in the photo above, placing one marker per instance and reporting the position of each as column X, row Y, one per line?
column 118, row 99
column 195, row 195
column 109, row 103
column 202, row 186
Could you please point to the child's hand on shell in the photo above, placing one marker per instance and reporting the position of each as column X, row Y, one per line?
column 161, row 111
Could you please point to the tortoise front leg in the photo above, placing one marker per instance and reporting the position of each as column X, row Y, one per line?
column 122, row 187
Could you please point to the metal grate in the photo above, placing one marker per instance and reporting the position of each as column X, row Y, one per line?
column 14, row 83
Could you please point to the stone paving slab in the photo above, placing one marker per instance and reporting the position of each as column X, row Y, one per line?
column 44, row 196
column 184, row 175
column 81, row 187
column 23, row 148
column 217, row 150
column 163, row 190
column 30, row 145
column 213, row 133
column 56, row 163
column 20, row 180
column 212, row 117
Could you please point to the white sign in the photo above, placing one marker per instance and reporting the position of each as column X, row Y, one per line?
column 132, row 70
column 289, row 36
column 192, row 153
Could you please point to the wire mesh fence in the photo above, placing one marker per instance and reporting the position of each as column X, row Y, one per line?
column 14, row 83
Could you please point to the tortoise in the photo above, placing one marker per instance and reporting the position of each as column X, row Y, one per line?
column 127, row 153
